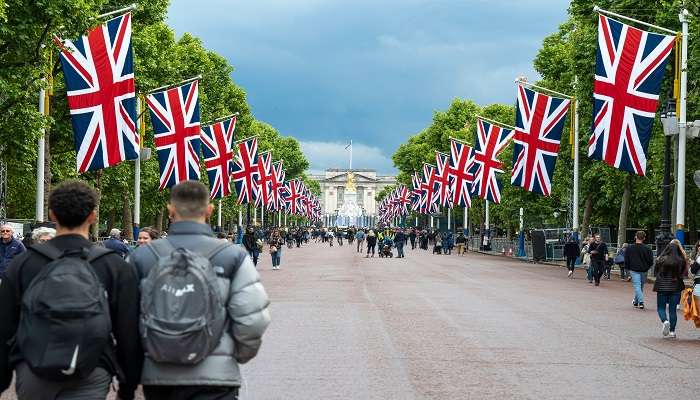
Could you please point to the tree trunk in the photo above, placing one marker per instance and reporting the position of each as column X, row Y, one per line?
column 127, row 220
column 159, row 220
column 674, row 177
column 111, row 218
column 587, row 211
column 624, row 210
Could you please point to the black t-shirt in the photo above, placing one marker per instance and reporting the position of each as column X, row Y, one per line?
column 638, row 258
column 601, row 248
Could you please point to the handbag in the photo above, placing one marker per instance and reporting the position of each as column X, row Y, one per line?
column 273, row 249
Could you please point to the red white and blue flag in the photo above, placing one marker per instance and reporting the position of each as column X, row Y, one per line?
column 245, row 170
column 175, row 119
column 277, row 186
column 292, row 195
column 429, row 189
column 217, row 140
column 99, row 73
column 539, row 122
column 491, row 141
column 416, row 193
column 442, row 179
column 461, row 158
column 630, row 65
column 262, row 183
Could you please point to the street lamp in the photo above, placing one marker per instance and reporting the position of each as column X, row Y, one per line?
column 669, row 123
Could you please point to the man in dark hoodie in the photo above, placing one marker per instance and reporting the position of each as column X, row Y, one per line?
column 72, row 208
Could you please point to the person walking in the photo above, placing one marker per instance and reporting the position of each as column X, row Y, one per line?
column 371, row 242
column 276, row 243
column 399, row 242
column 197, row 354
column 10, row 247
column 360, row 237
column 586, row 256
column 619, row 260
column 599, row 256
column 571, row 252
column 339, row 235
column 412, row 237
column 115, row 243
column 251, row 245
column 669, row 284
column 638, row 258
column 86, row 328
column 461, row 242
column 43, row 234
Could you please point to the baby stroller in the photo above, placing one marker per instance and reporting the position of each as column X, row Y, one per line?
column 386, row 249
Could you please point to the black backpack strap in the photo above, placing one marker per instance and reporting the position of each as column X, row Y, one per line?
column 48, row 250
column 97, row 252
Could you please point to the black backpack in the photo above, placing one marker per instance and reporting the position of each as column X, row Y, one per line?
column 64, row 324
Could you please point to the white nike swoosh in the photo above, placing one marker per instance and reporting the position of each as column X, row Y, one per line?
column 73, row 361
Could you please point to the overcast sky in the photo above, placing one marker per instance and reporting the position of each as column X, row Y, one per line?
column 372, row 71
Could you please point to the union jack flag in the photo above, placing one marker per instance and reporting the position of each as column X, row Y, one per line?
column 630, row 66
column 262, row 183
column 429, row 188
column 403, row 196
column 277, row 187
column 442, row 178
column 491, row 140
column 292, row 195
column 416, row 193
column 99, row 73
column 539, row 122
column 245, row 170
column 175, row 119
column 461, row 158
column 218, row 141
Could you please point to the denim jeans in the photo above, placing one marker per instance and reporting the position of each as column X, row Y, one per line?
column 276, row 257
column 638, row 280
column 571, row 263
column 672, row 299
column 254, row 255
column 399, row 249
column 590, row 271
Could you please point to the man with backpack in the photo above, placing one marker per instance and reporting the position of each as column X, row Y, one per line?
column 204, row 310
column 70, row 311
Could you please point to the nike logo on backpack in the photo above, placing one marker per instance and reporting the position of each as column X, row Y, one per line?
column 73, row 361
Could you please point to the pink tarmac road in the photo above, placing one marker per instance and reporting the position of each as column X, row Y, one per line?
column 449, row 327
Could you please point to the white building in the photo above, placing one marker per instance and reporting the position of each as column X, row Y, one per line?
column 333, row 187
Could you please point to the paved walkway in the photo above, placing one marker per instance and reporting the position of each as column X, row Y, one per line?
column 449, row 327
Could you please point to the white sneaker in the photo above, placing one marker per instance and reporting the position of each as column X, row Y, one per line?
column 666, row 329
column 570, row 273
column 672, row 335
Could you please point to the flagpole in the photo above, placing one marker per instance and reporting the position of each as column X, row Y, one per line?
column 496, row 123
column 41, row 151
column 449, row 217
column 255, row 215
column 682, row 124
column 218, row 218
column 486, row 225
column 137, row 173
column 350, row 154
column 606, row 12
column 166, row 87
column 465, row 220
column 120, row 11
column 575, row 228
column 262, row 216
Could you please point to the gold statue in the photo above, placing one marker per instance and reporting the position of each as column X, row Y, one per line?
column 350, row 184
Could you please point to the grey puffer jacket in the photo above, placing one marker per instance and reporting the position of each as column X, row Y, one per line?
column 247, row 308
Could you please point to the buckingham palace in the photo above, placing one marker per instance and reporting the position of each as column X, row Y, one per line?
column 347, row 195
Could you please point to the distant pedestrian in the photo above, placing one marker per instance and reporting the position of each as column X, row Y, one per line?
column 599, row 256
column 586, row 257
column 115, row 243
column 146, row 235
column 9, row 246
column 360, row 236
column 619, row 260
column 669, row 285
column 371, row 242
column 412, row 237
column 461, row 242
column 399, row 242
column 571, row 251
column 251, row 245
column 638, row 260
column 276, row 243
column 43, row 234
